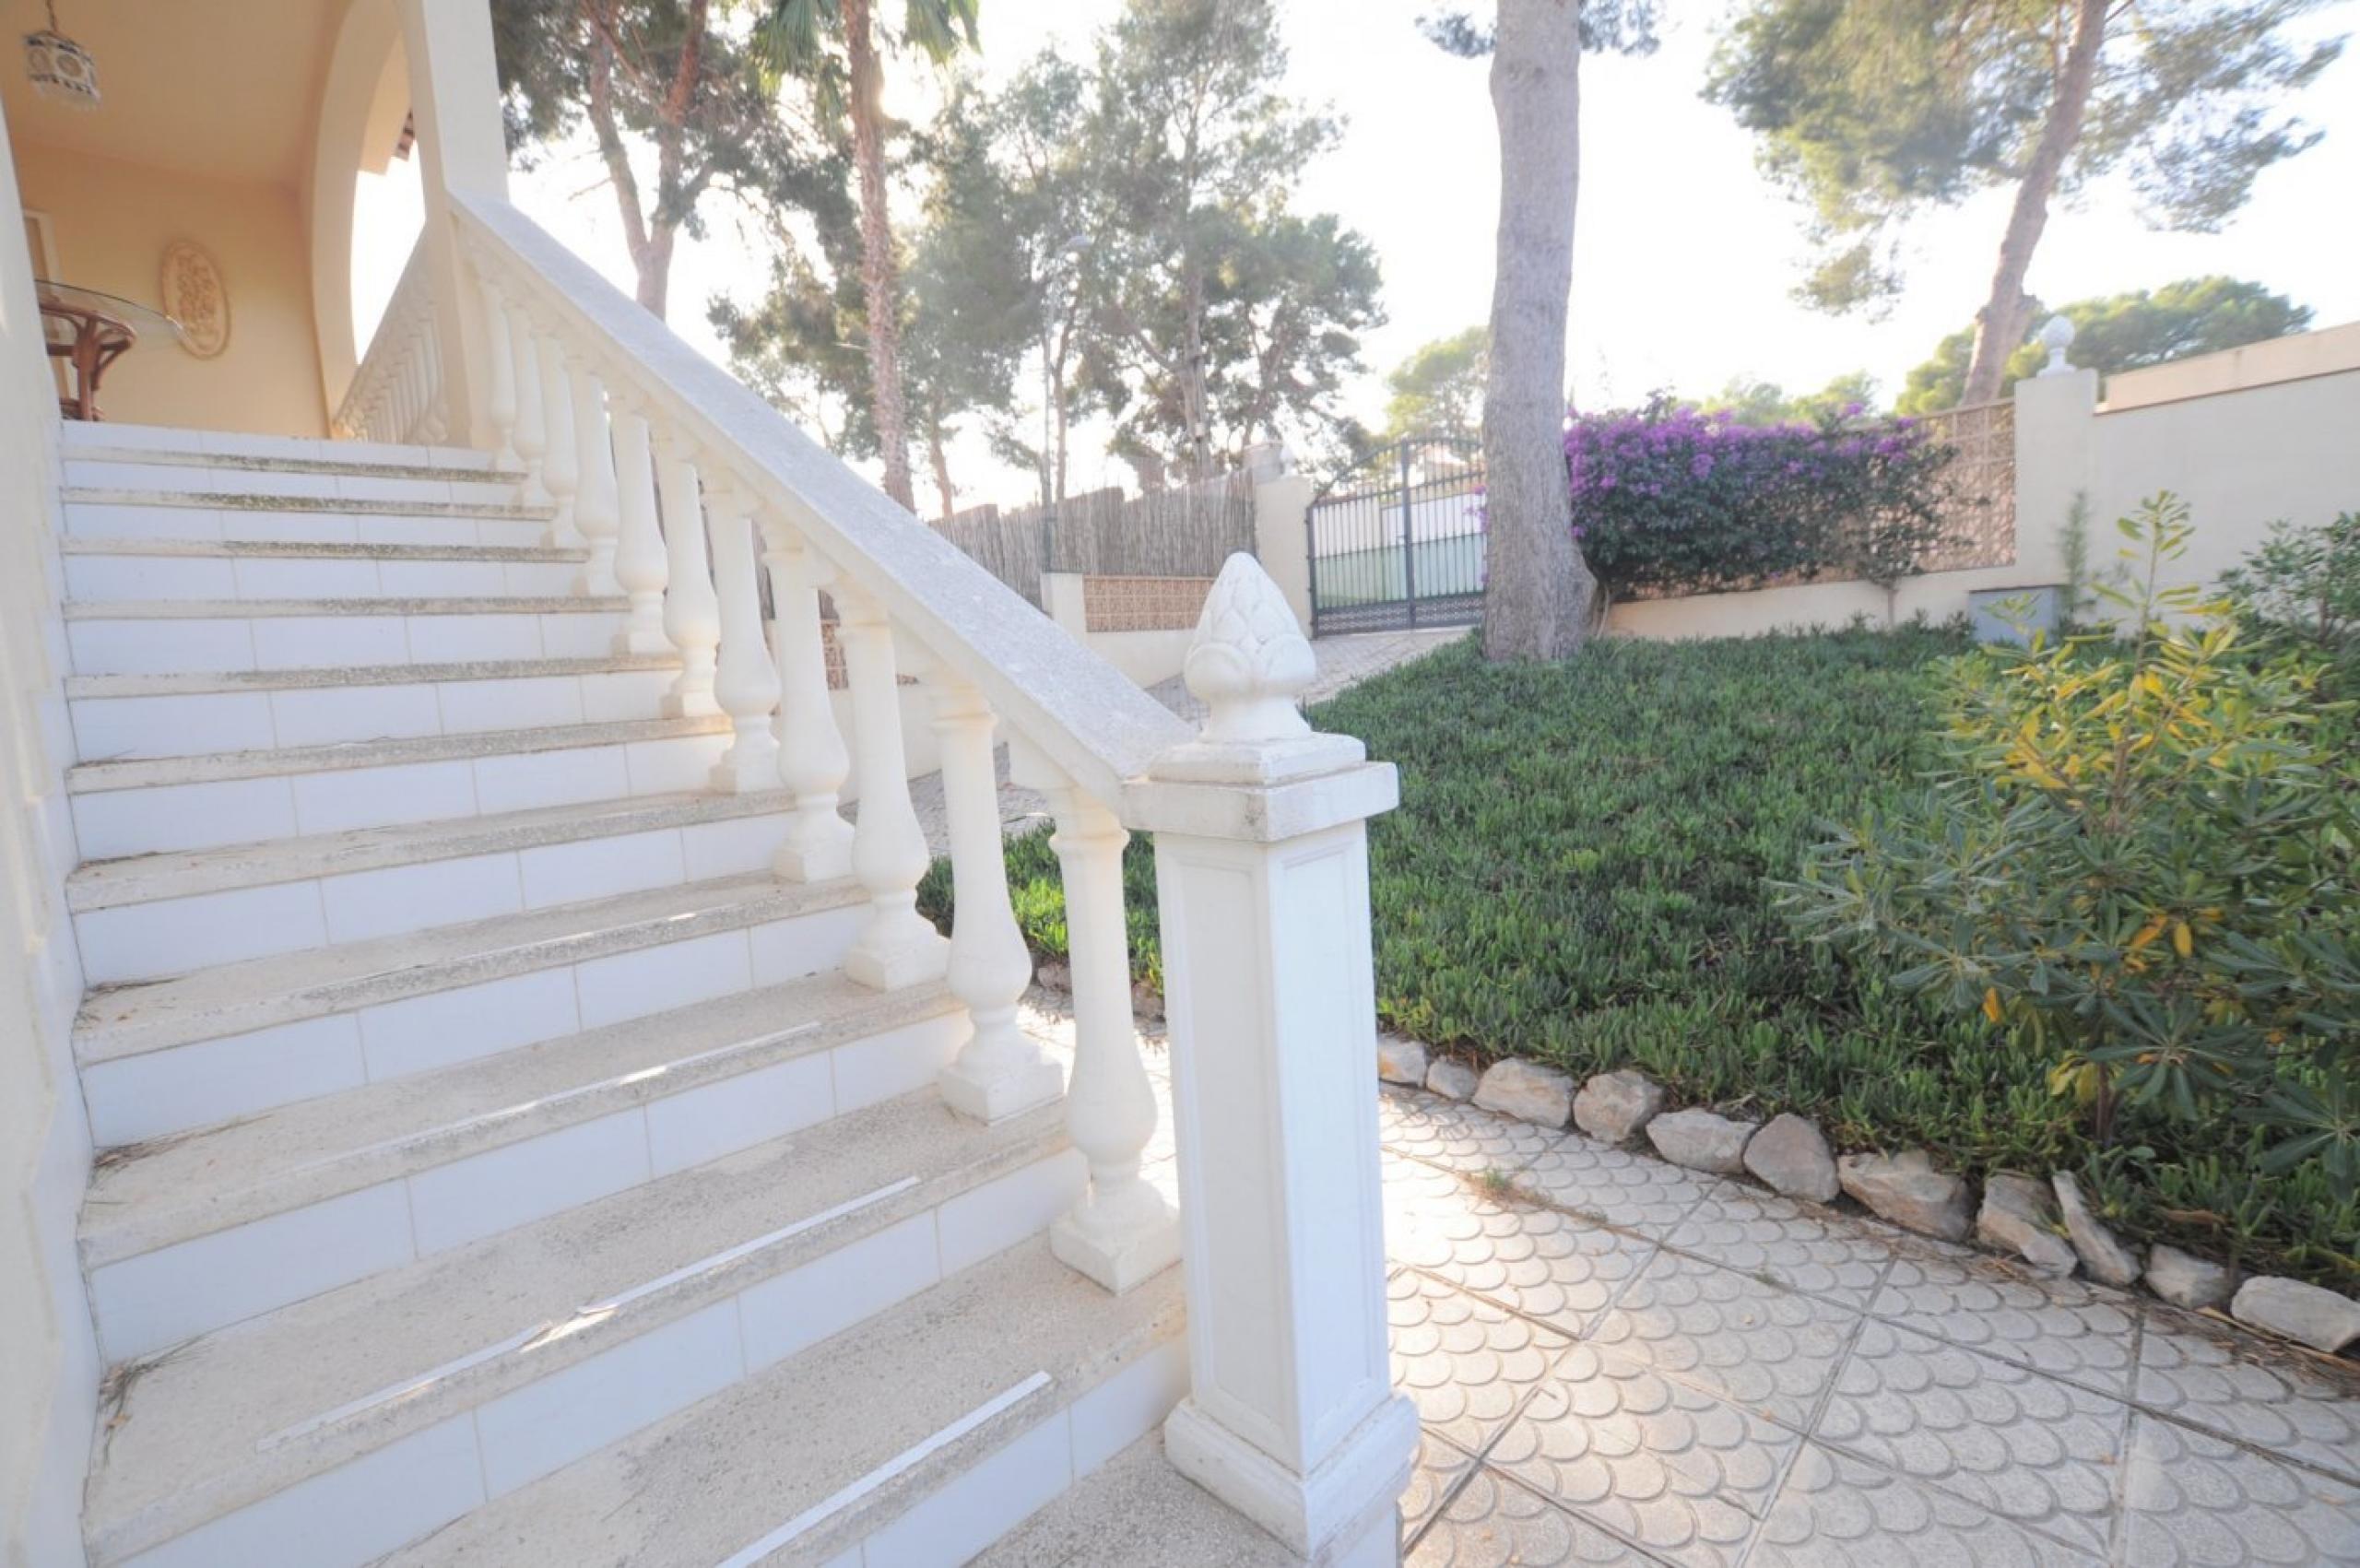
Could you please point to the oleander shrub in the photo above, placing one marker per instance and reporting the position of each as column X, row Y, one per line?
column 1669, row 500
column 2137, row 857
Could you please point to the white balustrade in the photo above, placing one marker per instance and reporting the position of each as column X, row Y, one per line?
column 531, row 430
column 500, row 376
column 691, row 610
column 1260, row 840
column 1000, row 1069
column 562, row 472
column 397, row 389
column 1261, row 866
column 596, row 511
column 898, row 947
column 641, row 567
column 745, row 685
column 811, row 759
column 1123, row 1232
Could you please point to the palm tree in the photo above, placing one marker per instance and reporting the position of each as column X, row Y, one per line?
column 806, row 34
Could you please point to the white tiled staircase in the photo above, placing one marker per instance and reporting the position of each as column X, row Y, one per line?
column 498, row 1167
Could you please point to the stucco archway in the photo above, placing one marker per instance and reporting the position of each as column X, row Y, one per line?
column 363, row 101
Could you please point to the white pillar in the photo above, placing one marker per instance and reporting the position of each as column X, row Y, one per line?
column 1122, row 1231
column 1000, row 1070
column 1261, row 854
column 641, row 567
column 898, row 947
column 746, row 686
column 454, row 96
column 500, row 375
column 596, row 510
column 562, row 473
column 811, row 758
column 691, row 610
column 532, row 429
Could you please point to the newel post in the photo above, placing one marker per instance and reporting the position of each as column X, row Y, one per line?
column 1261, row 862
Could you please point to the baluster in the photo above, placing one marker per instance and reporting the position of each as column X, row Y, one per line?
column 500, row 401
column 562, row 471
column 811, row 759
column 595, row 508
column 532, row 432
column 897, row 947
column 1000, row 1069
column 641, row 566
column 745, row 685
column 1122, row 1231
column 692, row 612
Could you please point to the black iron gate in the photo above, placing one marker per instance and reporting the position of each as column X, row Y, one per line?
column 1396, row 539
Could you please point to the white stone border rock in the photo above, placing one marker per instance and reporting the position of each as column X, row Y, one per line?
column 2016, row 1217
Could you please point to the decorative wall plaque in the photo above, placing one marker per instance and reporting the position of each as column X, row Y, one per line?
column 193, row 295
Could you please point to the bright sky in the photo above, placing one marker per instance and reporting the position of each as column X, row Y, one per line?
column 1684, row 255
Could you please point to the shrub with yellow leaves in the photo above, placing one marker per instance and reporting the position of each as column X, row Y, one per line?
column 2141, row 852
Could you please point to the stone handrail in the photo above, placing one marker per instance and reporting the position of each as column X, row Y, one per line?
column 1097, row 727
column 396, row 395
column 682, row 490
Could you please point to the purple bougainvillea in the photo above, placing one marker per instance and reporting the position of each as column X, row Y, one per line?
column 1668, row 499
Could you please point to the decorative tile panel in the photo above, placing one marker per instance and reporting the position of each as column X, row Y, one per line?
column 1143, row 603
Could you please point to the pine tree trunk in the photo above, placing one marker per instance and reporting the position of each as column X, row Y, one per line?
column 1537, row 588
column 940, row 456
column 876, row 271
column 652, row 261
column 2006, row 316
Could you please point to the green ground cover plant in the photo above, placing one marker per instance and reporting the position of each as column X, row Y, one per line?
column 1586, row 869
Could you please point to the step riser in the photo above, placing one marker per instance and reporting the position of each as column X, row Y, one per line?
column 421, row 1482
column 159, row 1092
column 108, row 728
column 156, row 1299
column 112, row 823
column 117, row 519
column 166, row 646
column 254, row 577
column 209, row 480
column 167, row 936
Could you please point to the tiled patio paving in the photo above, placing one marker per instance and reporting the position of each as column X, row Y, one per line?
column 1619, row 1360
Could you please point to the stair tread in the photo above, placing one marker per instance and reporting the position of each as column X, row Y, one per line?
column 1135, row 1511
column 118, row 442
column 183, row 683
column 142, row 1016
column 171, row 874
column 253, row 609
column 192, row 1434
column 148, row 772
column 193, row 1183
column 249, row 501
column 309, row 549
column 816, row 1424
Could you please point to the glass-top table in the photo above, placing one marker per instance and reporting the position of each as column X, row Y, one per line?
column 91, row 331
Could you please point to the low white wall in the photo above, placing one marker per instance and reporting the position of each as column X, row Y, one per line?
column 49, row 1360
column 1147, row 657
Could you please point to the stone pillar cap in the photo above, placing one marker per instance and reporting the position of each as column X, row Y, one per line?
column 1247, row 663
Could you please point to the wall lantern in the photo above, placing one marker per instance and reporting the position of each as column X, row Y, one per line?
column 60, row 68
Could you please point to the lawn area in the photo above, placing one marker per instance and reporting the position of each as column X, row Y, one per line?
column 1583, row 870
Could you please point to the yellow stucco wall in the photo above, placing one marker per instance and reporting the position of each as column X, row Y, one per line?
column 111, row 221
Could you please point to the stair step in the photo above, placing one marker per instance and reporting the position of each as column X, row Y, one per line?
column 144, row 805
column 469, row 989
column 197, row 1231
column 306, row 482
column 148, row 514
column 152, row 636
column 919, row 1437
column 565, row 1331
column 1135, row 1511
column 179, row 713
column 231, row 449
column 247, row 570
column 168, row 913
